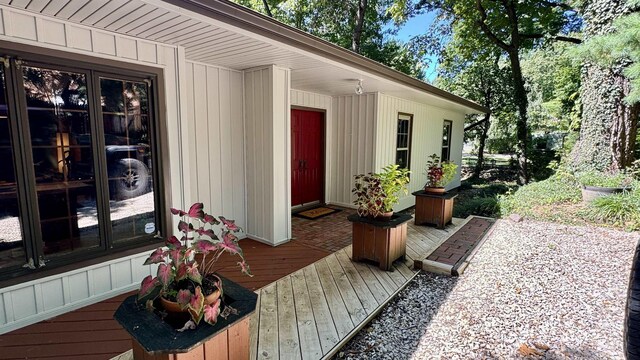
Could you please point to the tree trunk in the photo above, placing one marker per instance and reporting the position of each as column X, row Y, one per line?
column 483, row 139
column 609, row 125
column 267, row 9
column 520, row 97
column 357, row 30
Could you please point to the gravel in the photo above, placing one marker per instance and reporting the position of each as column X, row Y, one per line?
column 534, row 290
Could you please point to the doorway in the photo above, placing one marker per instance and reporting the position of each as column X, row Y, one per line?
column 307, row 157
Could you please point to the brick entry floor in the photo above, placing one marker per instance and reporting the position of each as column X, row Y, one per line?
column 330, row 233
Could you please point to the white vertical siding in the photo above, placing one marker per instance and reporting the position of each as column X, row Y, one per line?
column 351, row 136
column 216, row 140
column 426, row 139
column 37, row 300
column 321, row 102
column 268, row 178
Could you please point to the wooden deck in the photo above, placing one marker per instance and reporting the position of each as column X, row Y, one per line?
column 311, row 313
column 311, row 300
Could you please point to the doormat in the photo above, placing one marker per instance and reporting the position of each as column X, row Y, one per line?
column 316, row 213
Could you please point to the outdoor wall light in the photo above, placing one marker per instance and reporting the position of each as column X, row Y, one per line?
column 359, row 88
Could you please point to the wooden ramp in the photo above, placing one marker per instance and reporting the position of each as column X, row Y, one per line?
column 313, row 312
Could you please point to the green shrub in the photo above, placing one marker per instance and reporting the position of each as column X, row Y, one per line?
column 558, row 189
column 619, row 210
column 481, row 206
column 596, row 178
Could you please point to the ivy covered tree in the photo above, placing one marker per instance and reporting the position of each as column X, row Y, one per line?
column 610, row 85
column 363, row 26
column 508, row 25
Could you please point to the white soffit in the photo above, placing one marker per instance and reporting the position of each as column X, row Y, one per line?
column 215, row 42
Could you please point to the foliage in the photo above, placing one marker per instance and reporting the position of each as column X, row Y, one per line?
column 616, row 179
column 180, row 277
column 480, row 206
column 335, row 21
column 557, row 189
column 618, row 210
column 439, row 174
column 376, row 194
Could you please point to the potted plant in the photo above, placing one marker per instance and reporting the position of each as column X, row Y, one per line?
column 376, row 194
column 439, row 174
column 185, row 281
column 596, row 184
column 378, row 235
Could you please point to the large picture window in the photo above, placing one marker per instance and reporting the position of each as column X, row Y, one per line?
column 446, row 140
column 78, row 162
column 403, row 140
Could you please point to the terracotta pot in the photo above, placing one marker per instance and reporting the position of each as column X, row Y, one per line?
column 174, row 307
column 434, row 190
column 385, row 216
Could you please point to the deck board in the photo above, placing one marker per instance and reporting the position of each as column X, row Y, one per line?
column 327, row 332
column 307, row 329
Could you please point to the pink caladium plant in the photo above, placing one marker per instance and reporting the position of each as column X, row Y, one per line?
column 186, row 262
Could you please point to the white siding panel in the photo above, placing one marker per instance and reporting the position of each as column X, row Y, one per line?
column 147, row 52
column 121, row 274
column 101, row 280
column 3, row 317
column 79, row 38
column 23, row 26
column 126, row 48
column 24, row 302
column 52, row 32
column 52, row 294
column 267, row 126
column 2, row 29
column 352, row 118
column 104, row 43
column 215, row 122
column 78, row 287
column 426, row 139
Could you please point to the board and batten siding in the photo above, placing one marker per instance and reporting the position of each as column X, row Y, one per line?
column 321, row 102
column 352, row 139
column 268, row 154
column 34, row 301
column 215, row 116
column 426, row 139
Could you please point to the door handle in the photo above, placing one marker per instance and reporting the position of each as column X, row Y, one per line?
column 304, row 164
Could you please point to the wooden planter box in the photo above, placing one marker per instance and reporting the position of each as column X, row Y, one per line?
column 434, row 209
column 380, row 241
column 155, row 339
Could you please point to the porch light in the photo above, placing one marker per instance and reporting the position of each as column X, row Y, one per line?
column 359, row 88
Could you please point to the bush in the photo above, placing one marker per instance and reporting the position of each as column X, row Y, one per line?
column 618, row 210
column 481, row 206
column 558, row 189
column 596, row 178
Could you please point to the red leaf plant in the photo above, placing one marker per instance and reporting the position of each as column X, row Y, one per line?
column 185, row 266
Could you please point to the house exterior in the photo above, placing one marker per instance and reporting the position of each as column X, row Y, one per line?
column 111, row 111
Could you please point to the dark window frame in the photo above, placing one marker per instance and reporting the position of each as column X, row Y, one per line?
column 449, row 125
column 94, row 68
column 409, row 137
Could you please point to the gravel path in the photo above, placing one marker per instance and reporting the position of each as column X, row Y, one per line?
column 534, row 290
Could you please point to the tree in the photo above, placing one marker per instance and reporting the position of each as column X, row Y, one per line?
column 509, row 25
column 611, row 100
column 482, row 80
column 363, row 26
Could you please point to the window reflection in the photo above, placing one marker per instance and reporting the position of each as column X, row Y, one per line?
column 11, row 245
column 63, row 159
column 125, row 117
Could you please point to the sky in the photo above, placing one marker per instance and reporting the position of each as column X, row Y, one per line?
column 415, row 26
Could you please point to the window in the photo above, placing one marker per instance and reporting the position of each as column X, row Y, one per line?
column 79, row 162
column 446, row 141
column 403, row 140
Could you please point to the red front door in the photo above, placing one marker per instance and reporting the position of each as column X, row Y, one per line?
column 307, row 156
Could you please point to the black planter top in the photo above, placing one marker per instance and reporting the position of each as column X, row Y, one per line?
column 158, row 337
column 385, row 223
column 447, row 195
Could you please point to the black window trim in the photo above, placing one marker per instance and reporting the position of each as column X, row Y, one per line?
column 410, row 135
column 449, row 124
column 94, row 68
